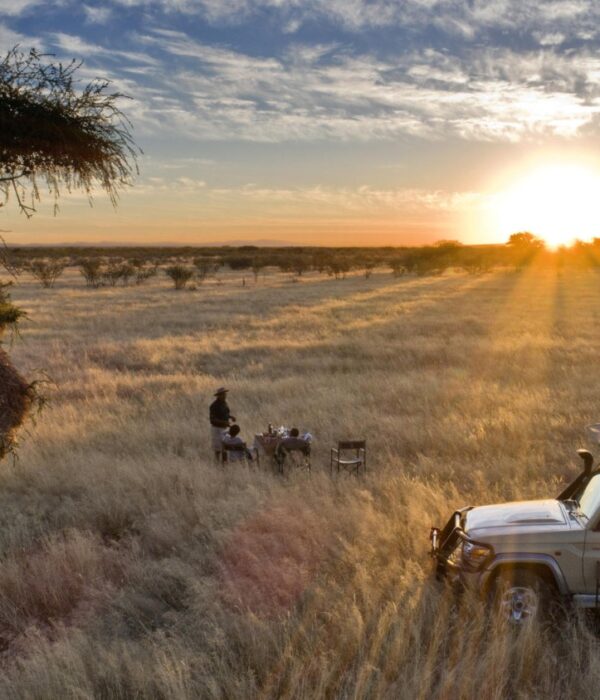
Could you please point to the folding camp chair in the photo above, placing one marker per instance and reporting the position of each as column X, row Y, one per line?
column 237, row 449
column 349, row 455
column 293, row 451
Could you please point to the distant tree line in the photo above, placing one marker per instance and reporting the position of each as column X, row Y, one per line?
column 183, row 265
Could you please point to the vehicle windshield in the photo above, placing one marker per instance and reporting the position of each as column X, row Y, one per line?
column 590, row 498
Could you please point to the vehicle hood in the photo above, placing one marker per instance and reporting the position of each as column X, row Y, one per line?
column 519, row 516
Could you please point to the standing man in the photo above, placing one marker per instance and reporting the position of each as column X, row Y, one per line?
column 220, row 417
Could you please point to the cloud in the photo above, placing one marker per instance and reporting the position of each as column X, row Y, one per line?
column 97, row 15
column 75, row 46
column 14, row 8
column 359, row 199
column 329, row 91
column 552, row 39
column 320, row 200
column 461, row 18
column 323, row 92
column 9, row 39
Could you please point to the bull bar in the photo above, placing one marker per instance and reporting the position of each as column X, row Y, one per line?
column 445, row 541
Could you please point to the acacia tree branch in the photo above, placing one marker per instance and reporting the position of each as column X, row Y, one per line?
column 12, row 178
column 51, row 131
column 5, row 259
column 28, row 211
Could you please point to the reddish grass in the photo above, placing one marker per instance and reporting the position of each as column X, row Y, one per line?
column 270, row 559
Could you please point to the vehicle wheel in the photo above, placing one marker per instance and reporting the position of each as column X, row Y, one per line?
column 521, row 596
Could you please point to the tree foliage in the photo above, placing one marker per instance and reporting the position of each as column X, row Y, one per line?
column 180, row 274
column 9, row 314
column 205, row 267
column 525, row 239
column 55, row 133
column 46, row 272
column 91, row 269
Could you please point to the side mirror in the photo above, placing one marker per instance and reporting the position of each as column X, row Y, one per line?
column 588, row 460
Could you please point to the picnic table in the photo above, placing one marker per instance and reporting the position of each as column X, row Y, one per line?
column 269, row 443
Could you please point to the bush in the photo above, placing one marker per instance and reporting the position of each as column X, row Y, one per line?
column 337, row 268
column 397, row 267
column 257, row 266
column 206, row 267
column 91, row 269
column 144, row 272
column 46, row 271
column 300, row 264
column 127, row 272
column 9, row 314
column 112, row 274
column 240, row 263
column 180, row 275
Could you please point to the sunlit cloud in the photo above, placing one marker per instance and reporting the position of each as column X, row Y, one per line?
column 337, row 200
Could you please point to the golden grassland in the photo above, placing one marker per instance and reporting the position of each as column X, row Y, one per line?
column 134, row 567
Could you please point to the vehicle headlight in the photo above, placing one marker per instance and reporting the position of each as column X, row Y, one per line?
column 475, row 554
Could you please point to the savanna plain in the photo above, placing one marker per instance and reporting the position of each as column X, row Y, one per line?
column 135, row 567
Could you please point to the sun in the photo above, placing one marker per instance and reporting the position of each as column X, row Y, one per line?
column 558, row 203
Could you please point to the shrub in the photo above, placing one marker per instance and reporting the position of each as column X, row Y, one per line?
column 91, row 269
column 206, row 267
column 257, row 266
column 127, row 272
column 112, row 274
column 144, row 272
column 426, row 261
column 320, row 262
column 239, row 263
column 397, row 266
column 9, row 314
column 337, row 268
column 180, row 274
column 300, row 264
column 46, row 271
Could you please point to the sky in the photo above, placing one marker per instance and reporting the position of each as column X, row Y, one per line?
column 334, row 122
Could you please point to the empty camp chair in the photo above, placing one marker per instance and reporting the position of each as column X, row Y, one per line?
column 350, row 455
column 239, row 453
column 294, row 450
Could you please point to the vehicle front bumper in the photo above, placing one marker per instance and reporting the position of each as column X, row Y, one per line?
column 446, row 546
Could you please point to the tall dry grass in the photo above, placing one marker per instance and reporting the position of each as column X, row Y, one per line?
column 133, row 567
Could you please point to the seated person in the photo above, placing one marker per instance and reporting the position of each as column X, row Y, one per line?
column 292, row 443
column 231, row 438
column 295, row 442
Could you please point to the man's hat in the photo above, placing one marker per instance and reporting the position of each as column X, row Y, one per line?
column 222, row 390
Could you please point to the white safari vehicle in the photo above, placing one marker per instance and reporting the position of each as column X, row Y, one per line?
column 524, row 556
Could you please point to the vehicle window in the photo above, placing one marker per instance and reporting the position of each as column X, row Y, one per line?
column 590, row 499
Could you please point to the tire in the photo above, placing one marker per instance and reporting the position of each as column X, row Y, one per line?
column 519, row 597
